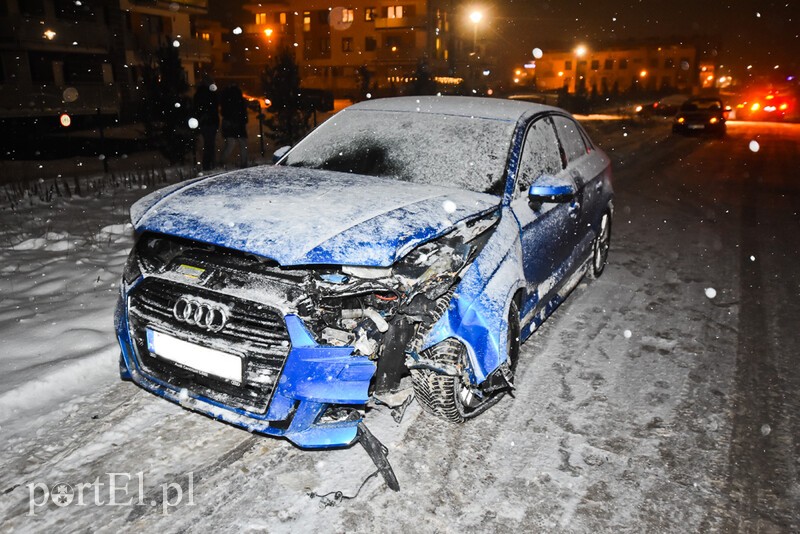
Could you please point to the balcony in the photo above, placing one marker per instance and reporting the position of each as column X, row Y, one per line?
column 24, row 34
column 418, row 22
column 190, row 49
column 400, row 55
column 195, row 50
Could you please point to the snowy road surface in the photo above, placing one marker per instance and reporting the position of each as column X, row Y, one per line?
column 662, row 398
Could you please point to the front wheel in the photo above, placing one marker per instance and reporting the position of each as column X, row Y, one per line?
column 451, row 396
column 600, row 247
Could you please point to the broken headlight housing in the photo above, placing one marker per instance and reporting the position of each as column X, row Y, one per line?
column 357, row 305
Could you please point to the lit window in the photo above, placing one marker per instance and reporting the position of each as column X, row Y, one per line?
column 395, row 12
column 205, row 36
column 369, row 14
column 347, row 15
column 282, row 18
column 306, row 21
column 261, row 18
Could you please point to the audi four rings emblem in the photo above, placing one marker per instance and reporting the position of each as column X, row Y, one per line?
column 209, row 315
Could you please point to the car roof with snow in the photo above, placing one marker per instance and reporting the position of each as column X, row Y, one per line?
column 488, row 108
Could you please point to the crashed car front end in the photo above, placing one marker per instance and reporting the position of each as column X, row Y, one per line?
column 294, row 352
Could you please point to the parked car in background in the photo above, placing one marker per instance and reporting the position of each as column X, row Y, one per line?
column 664, row 107
column 704, row 115
column 421, row 236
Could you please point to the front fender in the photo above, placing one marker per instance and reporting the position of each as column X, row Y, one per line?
column 477, row 315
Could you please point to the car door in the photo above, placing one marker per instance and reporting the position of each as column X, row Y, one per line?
column 588, row 179
column 546, row 231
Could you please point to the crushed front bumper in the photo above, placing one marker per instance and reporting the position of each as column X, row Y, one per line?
column 314, row 379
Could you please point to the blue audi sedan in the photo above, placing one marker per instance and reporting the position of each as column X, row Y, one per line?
column 421, row 237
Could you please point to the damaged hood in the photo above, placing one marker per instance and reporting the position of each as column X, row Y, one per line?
column 303, row 216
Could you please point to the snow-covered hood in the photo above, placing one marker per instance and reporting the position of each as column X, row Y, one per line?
column 303, row 216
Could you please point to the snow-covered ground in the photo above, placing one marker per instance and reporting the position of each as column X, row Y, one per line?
column 623, row 418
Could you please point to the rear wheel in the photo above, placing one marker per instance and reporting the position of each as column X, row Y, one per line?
column 451, row 396
column 600, row 247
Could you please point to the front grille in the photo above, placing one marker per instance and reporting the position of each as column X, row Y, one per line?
column 255, row 332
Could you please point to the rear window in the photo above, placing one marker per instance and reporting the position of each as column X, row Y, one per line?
column 704, row 104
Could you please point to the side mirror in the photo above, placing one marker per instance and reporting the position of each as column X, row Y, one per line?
column 278, row 154
column 551, row 189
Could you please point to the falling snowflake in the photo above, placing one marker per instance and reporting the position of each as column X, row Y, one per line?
column 711, row 292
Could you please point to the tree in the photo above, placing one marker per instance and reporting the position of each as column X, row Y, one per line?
column 166, row 106
column 424, row 84
column 287, row 122
column 364, row 80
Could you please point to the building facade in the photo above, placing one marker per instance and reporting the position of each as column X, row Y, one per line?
column 56, row 58
column 376, row 46
column 85, row 58
column 646, row 67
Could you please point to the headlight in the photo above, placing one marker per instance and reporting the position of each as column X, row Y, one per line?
column 151, row 253
column 433, row 267
column 156, row 252
column 132, row 271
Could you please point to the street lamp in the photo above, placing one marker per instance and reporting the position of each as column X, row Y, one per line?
column 475, row 17
column 580, row 52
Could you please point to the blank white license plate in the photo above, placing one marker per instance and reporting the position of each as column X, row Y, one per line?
column 696, row 126
column 204, row 359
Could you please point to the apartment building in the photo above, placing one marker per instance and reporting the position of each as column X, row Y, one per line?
column 643, row 66
column 376, row 45
column 84, row 58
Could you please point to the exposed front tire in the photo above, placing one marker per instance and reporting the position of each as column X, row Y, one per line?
column 600, row 247
column 451, row 396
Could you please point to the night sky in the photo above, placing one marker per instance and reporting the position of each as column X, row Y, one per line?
column 748, row 32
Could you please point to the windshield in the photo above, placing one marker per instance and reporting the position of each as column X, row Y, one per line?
column 445, row 150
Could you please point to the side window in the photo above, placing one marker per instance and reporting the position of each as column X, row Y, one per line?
column 570, row 136
column 540, row 154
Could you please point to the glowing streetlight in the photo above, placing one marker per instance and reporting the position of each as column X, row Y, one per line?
column 49, row 35
column 268, row 32
column 580, row 50
column 475, row 17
